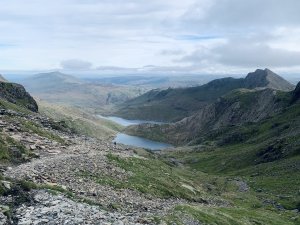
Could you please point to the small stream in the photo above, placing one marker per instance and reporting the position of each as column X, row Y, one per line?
column 136, row 141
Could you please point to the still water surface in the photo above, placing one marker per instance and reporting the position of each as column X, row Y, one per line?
column 140, row 142
column 125, row 139
column 125, row 122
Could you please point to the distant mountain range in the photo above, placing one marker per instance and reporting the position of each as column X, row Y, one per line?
column 174, row 104
column 59, row 88
column 53, row 81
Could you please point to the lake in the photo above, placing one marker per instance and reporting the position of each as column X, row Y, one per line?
column 140, row 142
column 126, row 123
column 136, row 141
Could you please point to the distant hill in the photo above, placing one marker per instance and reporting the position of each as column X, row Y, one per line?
column 56, row 87
column 175, row 104
column 50, row 82
column 154, row 81
column 2, row 79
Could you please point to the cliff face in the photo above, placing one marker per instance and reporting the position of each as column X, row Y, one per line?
column 296, row 93
column 16, row 93
column 237, row 107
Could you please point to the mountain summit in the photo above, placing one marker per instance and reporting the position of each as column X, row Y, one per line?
column 174, row 104
column 267, row 78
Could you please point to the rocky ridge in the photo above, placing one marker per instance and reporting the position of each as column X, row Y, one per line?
column 174, row 104
column 267, row 78
column 235, row 108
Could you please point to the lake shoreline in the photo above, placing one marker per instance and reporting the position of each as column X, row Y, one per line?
column 130, row 140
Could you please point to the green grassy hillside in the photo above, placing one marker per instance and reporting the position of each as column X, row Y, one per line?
column 80, row 121
column 265, row 154
column 235, row 108
column 175, row 104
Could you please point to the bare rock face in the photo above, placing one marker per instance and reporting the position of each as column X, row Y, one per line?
column 16, row 93
column 296, row 93
column 235, row 108
column 267, row 78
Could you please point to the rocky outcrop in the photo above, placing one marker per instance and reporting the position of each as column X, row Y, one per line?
column 267, row 78
column 296, row 93
column 16, row 93
column 57, row 209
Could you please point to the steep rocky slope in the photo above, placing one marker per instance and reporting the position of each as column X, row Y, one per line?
column 16, row 93
column 235, row 108
column 296, row 93
column 175, row 104
column 267, row 78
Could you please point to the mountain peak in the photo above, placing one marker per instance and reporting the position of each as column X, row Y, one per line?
column 267, row 78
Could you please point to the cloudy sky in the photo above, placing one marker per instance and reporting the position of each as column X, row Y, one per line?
column 200, row 36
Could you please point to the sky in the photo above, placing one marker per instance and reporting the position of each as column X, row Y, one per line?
column 157, row 36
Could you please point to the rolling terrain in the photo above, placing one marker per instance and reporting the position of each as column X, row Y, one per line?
column 236, row 108
column 175, row 104
column 58, row 164
column 59, row 88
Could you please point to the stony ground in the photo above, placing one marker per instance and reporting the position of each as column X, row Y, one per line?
column 60, row 165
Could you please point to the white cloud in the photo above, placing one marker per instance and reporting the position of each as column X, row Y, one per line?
column 259, row 55
column 76, row 64
column 213, row 35
column 244, row 53
column 228, row 15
